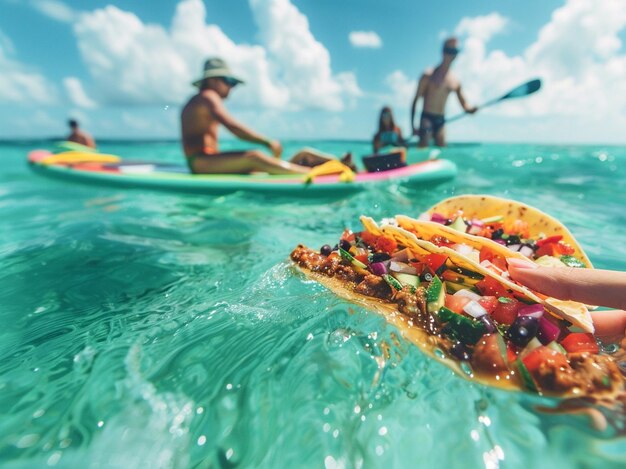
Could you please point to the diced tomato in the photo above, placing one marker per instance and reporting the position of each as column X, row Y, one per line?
column 487, row 254
column 555, row 249
column 565, row 249
column 543, row 354
column 549, row 239
column 547, row 250
column 491, row 287
column 519, row 227
column 580, row 342
column 440, row 241
column 511, row 352
column 489, row 303
column 368, row 238
column 456, row 303
column 505, row 313
column 434, row 261
column 348, row 235
column 387, row 245
column 362, row 258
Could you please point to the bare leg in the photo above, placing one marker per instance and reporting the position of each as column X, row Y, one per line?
column 311, row 157
column 440, row 137
column 243, row 162
column 425, row 133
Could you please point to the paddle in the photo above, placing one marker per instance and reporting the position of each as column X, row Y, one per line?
column 523, row 90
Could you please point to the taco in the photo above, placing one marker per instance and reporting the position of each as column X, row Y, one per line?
column 518, row 227
column 463, row 316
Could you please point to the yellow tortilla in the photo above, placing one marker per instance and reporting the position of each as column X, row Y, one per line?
column 485, row 206
column 572, row 311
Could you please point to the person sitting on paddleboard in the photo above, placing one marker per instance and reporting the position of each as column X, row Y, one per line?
column 389, row 134
column 200, row 121
column 78, row 135
column 434, row 87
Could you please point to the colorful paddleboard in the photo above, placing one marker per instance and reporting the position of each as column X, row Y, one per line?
column 110, row 170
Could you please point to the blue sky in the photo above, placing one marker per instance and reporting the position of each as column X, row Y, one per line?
column 315, row 68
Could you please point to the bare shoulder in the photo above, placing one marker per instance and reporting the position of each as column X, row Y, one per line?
column 426, row 74
column 452, row 81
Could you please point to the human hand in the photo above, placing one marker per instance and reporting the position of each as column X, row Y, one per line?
column 275, row 147
column 589, row 286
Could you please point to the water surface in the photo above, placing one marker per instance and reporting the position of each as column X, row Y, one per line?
column 152, row 329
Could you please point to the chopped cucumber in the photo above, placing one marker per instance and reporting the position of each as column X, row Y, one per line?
column 435, row 295
column 571, row 261
column 549, row 261
column 355, row 262
column 557, row 347
column 493, row 219
column 407, row 279
column 527, row 378
column 468, row 331
column 532, row 345
column 452, row 287
column 458, row 225
column 392, row 282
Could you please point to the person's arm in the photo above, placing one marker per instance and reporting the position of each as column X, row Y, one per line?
column 401, row 141
column 419, row 93
column 466, row 107
column 589, row 286
column 90, row 141
column 238, row 129
column 376, row 142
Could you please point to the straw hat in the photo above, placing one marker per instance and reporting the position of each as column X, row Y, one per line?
column 216, row 68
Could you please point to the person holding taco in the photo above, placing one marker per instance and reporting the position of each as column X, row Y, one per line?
column 201, row 118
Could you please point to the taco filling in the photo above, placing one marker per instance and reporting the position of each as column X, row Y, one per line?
column 473, row 317
column 518, row 227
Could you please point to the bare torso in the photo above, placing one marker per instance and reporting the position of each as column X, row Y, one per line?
column 439, row 84
column 78, row 136
column 198, row 125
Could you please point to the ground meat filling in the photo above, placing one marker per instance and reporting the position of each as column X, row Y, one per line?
column 595, row 372
column 410, row 302
column 373, row 285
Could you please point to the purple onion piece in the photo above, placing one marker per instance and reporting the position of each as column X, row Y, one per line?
column 536, row 311
column 438, row 218
column 547, row 331
column 378, row 268
column 500, row 241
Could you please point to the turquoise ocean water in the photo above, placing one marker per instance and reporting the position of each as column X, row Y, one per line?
column 150, row 329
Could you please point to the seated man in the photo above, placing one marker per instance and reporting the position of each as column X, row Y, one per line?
column 79, row 136
column 200, row 121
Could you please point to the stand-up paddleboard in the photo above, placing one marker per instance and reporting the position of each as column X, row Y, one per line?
column 110, row 170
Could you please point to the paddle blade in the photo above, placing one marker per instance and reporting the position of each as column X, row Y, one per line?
column 523, row 90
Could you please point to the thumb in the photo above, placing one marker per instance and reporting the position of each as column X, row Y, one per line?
column 590, row 286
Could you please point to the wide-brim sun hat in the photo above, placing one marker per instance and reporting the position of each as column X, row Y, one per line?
column 216, row 68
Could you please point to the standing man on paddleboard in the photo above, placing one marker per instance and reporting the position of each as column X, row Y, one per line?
column 205, row 112
column 79, row 136
column 434, row 87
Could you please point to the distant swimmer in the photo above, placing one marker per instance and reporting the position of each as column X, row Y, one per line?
column 205, row 112
column 389, row 134
column 79, row 136
column 434, row 87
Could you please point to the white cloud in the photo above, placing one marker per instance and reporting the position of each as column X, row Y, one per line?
column 20, row 84
column 402, row 87
column 365, row 39
column 133, row 62
column 56, row 10
column 482, row 27
column 76, row 93
column 577, row 55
